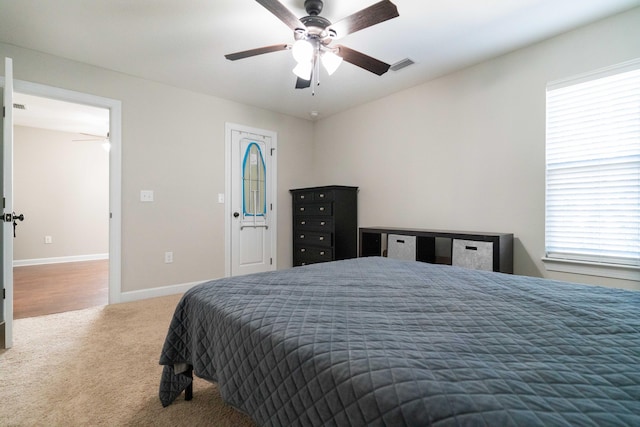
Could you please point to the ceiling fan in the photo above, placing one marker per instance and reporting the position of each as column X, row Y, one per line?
column 314, row 34
column 91, row 137
column 106, row 143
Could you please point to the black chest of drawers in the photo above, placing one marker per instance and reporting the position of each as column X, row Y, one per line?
column 325, row 224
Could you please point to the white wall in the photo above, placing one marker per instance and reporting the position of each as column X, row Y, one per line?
column 173, row 143
column 466, row 151
column 62, row 188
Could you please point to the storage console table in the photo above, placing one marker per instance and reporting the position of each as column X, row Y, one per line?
column 481, row 251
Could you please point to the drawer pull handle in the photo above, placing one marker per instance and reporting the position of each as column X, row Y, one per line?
column 321, row 239
column 303, row 250
column 302, row 197
column 322, row 222
column 302, row 236
column 322, row 209
column 399, row 241
column 471, row 248
column 321, row 252
column 303, row 222
column 301, row 209
column 303, row 263
column 322, row 195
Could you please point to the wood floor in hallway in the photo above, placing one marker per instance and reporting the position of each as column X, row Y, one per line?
column 54, row 288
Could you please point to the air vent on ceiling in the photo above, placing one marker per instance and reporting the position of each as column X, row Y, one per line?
column 402, row 64
column 19, row 106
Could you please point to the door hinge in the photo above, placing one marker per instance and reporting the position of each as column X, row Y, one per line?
column 3, row 112
column 270, row 261
column 272, row 150
column 270, row 206
column 4, row 293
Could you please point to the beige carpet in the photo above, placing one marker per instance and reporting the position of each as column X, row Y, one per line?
column 99, row 366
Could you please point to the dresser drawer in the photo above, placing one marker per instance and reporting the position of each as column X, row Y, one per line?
column 316, row 224
column 472, row 254
column 303, row 197
column 316, row 239
column 314, row 209
column 321, row 196
column 308, row 254
column 313, row 196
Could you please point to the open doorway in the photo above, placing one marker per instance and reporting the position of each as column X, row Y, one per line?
column 61, row 185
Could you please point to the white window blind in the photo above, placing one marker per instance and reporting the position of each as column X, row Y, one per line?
column 593, row 167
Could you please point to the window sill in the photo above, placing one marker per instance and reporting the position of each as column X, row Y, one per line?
column 613, row 271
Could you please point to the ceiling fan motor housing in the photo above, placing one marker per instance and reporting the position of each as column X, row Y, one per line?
column 313, row 7
column 316, row 28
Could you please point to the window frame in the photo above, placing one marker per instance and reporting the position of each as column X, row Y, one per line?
column 577, row 265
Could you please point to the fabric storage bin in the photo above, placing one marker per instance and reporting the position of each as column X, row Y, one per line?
column 472, row 254
column 401, row 247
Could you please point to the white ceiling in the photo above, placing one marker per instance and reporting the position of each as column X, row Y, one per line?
column 182, row 42
column 62, row 116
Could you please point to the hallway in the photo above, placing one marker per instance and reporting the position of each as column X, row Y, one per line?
column 54, row 288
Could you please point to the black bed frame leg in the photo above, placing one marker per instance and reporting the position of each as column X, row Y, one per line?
column 188, row 392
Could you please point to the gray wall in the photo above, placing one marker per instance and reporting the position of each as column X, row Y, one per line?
column 467, row 151
column 173, row 142
column 62, row 188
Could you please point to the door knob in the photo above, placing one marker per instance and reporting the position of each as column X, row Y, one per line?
column 236, row 214
column 16, row 218
column 12, row 217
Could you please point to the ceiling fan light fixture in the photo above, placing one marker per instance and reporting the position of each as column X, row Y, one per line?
column 302, row 51
column 331, row 61
column 303, row 70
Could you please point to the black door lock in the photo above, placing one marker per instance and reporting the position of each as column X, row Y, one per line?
column 15, row 224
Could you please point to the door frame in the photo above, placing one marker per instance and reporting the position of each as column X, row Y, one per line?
column 273, row 194
column 115, row 167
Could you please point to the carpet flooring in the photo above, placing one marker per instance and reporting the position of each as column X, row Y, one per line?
column 99, row 367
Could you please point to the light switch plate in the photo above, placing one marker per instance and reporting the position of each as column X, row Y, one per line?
column 146, row 195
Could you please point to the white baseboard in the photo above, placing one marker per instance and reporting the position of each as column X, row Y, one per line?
column 59, row 260
column 157, row 292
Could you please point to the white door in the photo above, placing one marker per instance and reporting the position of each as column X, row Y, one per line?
column 7, row 217
column 251, row 203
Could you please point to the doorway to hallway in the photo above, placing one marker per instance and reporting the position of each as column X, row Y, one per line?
column 61, row 185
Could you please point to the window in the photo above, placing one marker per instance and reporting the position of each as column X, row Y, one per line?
column 254, row 183
column 593, row 168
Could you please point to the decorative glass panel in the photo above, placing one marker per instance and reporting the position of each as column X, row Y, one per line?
column 253, row 182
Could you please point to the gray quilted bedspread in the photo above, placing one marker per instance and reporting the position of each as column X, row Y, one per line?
column 374, row 341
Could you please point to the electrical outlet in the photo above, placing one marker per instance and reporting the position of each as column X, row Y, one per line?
column 48, row 240
column 168, row 257
column 146, row 195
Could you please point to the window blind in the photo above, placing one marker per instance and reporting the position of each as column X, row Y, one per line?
column 593, row 167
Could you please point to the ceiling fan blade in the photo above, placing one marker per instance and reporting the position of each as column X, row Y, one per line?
column 94, row 135
column 372, row 15
column 302, row 83
column 282, row 13
column 363, row 61
column 258, row 51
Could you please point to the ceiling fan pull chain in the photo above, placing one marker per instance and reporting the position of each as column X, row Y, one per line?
column 316, row 66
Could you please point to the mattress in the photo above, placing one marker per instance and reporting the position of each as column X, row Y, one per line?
column 376, row 341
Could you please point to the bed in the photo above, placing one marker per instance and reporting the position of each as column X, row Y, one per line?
column 376, row 341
